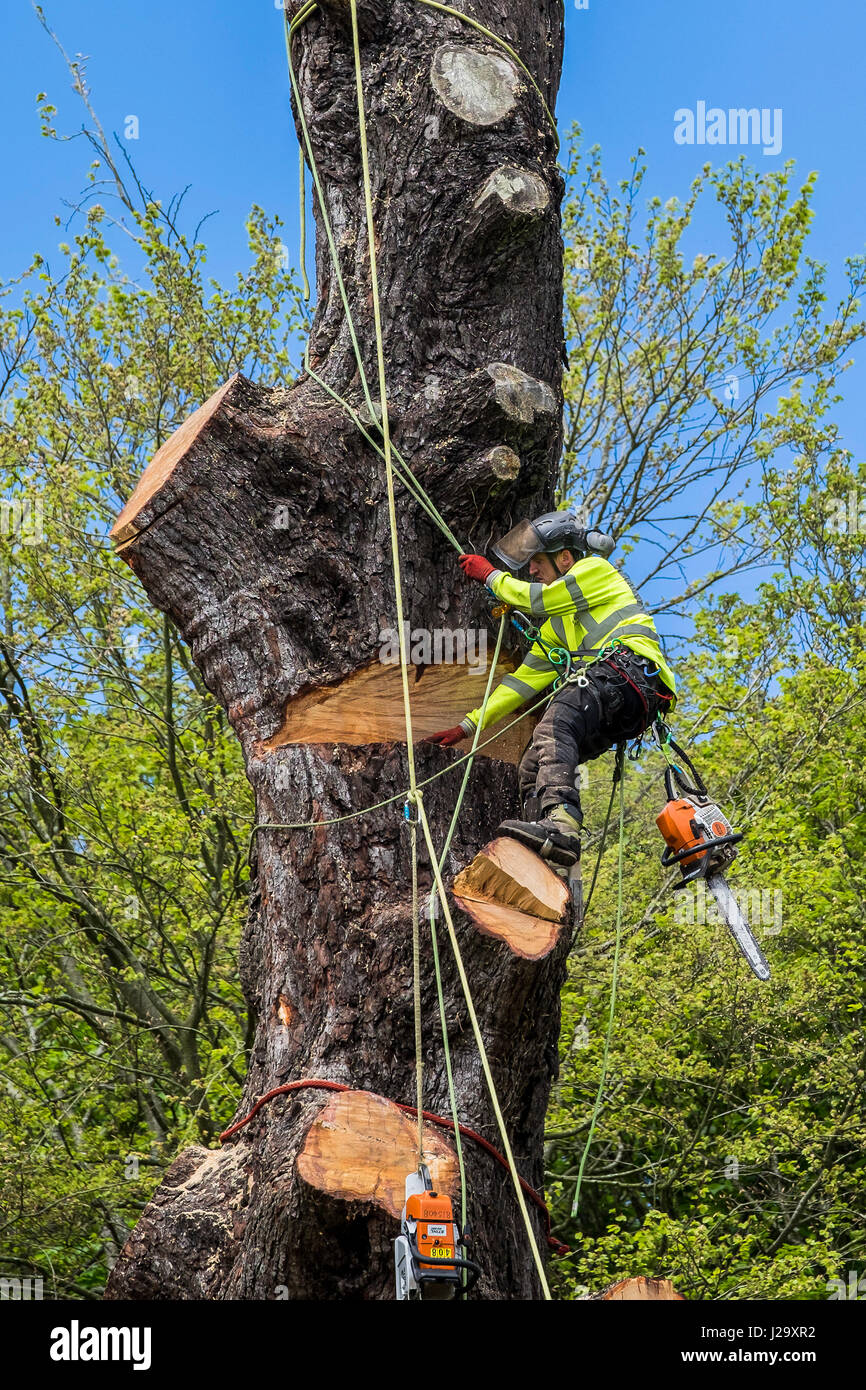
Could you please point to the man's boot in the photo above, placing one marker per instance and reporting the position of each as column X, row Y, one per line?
column 556, row 837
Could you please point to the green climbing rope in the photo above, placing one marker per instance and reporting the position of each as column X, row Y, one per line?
column 620, row 766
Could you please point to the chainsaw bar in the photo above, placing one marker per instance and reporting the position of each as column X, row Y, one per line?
column 737, row 925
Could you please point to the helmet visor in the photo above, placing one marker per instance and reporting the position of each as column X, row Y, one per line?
column 518, row 547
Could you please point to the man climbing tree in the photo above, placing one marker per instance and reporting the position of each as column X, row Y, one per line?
column 598, row 642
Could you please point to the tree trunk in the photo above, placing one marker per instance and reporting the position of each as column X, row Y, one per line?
column 261, row 527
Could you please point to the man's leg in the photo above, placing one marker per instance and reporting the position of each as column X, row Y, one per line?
column 586, row 722
column 554, row 748
column 580, row 724
column 526, row 775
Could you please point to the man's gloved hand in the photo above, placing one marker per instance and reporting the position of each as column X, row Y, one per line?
column 447, row 738
column 475, row 567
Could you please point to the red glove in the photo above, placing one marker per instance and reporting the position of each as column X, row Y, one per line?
column 475, row 567
column 447, row 738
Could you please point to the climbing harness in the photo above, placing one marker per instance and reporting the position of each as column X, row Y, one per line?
column 575, row 663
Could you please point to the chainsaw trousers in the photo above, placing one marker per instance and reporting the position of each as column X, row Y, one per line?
column 581, row 723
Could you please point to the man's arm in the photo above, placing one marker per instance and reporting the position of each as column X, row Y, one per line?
column 522, row 687
column 573, row 593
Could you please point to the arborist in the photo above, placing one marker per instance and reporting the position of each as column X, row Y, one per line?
column 598, row 641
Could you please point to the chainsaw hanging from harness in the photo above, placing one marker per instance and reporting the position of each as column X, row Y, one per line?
column 430, row 1251
column 702, row 841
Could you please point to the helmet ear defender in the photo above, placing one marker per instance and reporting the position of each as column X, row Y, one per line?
column 548, row 534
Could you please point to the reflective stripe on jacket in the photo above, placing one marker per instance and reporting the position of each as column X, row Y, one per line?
column 590, row 605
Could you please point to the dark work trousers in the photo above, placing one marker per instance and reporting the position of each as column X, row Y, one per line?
column 581, row 723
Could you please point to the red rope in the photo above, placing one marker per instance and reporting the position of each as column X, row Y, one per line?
column 536, row 1197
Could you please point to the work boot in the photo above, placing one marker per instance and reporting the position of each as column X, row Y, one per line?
column 556, row 837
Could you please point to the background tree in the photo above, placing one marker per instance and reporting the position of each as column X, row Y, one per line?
column 126, row 813
column 683, row 380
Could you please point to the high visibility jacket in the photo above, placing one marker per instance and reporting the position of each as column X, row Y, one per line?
column 589, row 606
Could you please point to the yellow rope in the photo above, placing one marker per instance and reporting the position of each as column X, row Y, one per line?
column 308, row 10
column 415, row 796
column 395, row 555
column 402, row 795
column 302, row 197
column 440, row 997
column 408, row 477
column 620, row 766
column 314, row 170
column 482, row 1050
column 416, row 991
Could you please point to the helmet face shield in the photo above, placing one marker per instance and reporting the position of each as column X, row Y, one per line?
column 547, row 535
column 518, row 547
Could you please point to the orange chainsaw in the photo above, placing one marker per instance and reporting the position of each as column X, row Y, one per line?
column 701, row 840
column 430, row 1251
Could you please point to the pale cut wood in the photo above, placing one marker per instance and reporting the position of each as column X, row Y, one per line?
column 360, row 1147
column 512, row 894
column 163, row 463
column 533, row 938
column 639, row 1289
column 367, row 707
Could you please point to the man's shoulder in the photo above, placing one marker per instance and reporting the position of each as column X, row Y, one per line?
column 593, row 567
column 592, row 561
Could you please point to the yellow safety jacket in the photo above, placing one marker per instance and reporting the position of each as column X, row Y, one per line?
column 588, row 607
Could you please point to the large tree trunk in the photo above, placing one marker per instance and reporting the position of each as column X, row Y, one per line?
column 262, row 529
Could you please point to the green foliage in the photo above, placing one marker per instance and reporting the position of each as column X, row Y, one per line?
column 126, row 813
column 687, row 372
column 729, row 1152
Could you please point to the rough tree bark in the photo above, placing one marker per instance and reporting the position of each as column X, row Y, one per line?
column 262, row 529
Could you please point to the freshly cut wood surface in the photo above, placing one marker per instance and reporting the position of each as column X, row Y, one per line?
column 533, row 938
column 361, row 1147
column 367, row 707
column 640, row 1289
column 509, row 873
column 512, row 894
column 163, row 463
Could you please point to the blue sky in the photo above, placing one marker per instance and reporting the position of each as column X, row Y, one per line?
column 209, row 88
column 208, row 85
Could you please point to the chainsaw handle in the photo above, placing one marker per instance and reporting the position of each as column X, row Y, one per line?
column 425, row 1275
column 703, row 851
